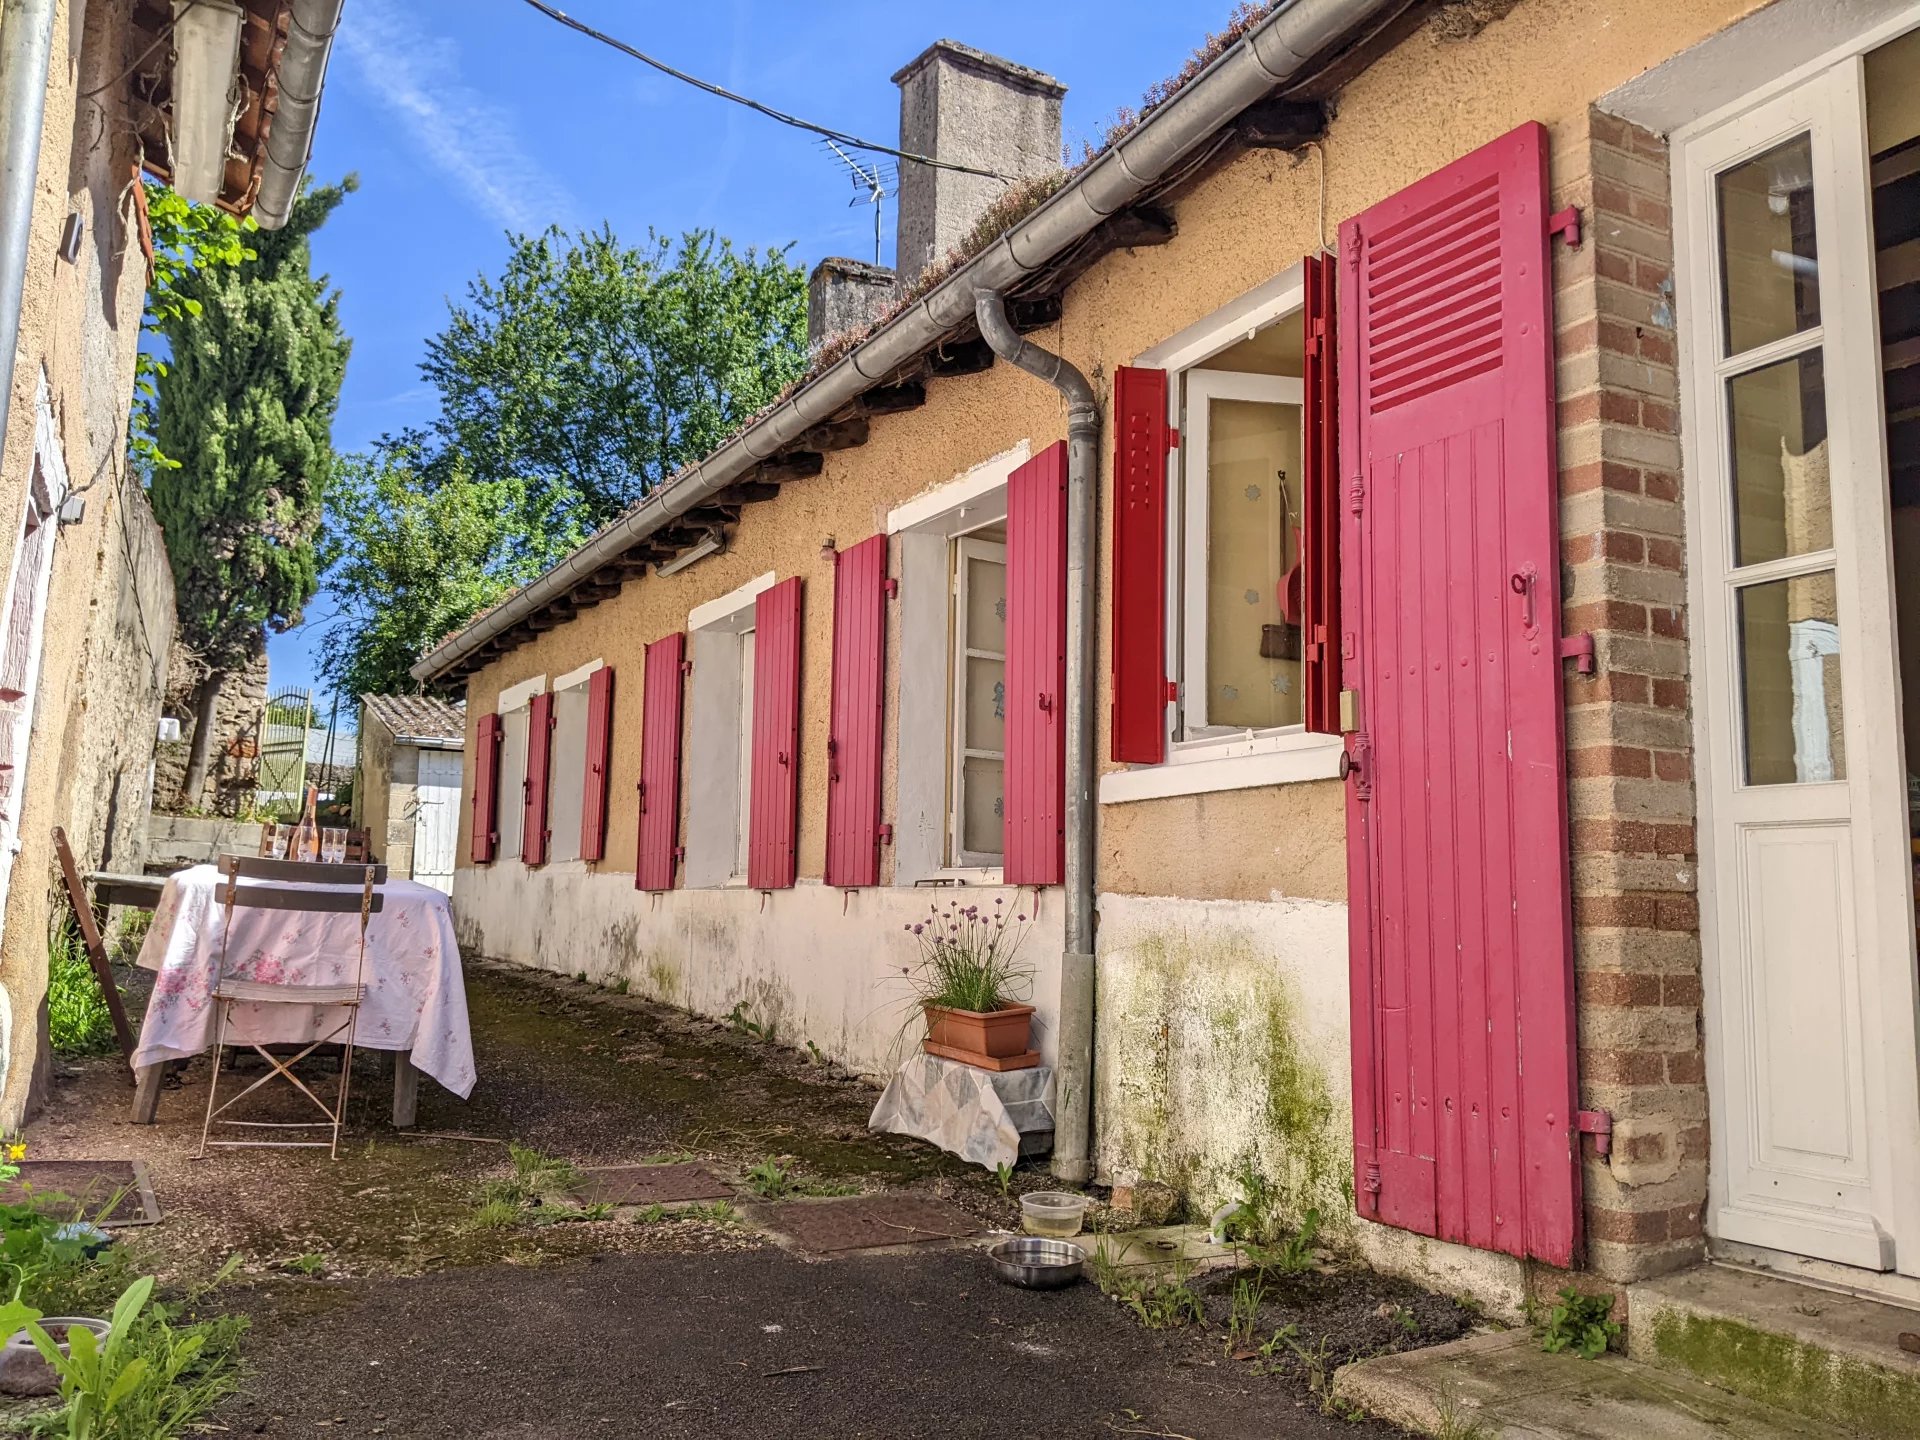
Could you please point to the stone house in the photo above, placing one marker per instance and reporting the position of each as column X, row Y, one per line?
column 1399, row 564
column 406, row 789
column 91, row 93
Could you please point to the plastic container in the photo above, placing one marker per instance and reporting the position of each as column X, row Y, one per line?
column 1053, row 1213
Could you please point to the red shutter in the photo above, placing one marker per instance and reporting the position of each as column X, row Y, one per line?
column 485, row 835
column 1036, row 764
column 1320, row 504
column 533, row 832
column 593, row 798
column 853, row 733
column 1462, row 977
column 660, row 701
column 773, row 818
column 1142, row 441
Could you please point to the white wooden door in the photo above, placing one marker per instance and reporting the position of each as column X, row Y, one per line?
column 1806, row 915
column 436, row 821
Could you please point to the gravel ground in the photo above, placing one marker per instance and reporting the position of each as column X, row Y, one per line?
column 379, row 1308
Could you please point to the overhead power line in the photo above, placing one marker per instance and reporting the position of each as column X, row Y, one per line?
column 852, row 141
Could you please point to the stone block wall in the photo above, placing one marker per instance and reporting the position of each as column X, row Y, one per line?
column 235, row 762
column 1629, row 731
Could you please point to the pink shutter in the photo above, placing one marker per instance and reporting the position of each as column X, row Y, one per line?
column 1320, row 505
column 660, row 702
column 853, row 733
column 1142, row 441
column 774, row 814
column 1036, row 764
column 533, row 832
column 593, row 798
column 1462, row 977
column 484, row 824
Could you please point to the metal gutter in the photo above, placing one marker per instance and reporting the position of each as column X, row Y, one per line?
column 26, row 55
column 302, row 79
column 1270, row 55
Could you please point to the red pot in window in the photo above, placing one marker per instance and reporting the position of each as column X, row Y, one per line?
column 989, row 1039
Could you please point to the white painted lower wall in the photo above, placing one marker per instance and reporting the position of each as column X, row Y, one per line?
column 815, row 964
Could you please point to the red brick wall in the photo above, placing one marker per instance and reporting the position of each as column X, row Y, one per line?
column 1629, row 732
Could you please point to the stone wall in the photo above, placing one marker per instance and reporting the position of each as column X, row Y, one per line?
column 235, row 761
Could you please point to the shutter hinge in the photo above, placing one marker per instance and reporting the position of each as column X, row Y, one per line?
column 1370, row 1186
column 1173, row 691
column 1579, row 649
column 891, row 588
column 1566, row 224
column 1173, row 437
column 679, row 852
column 686, row 667
column 1598, row 1124
column 886, row 834
column 1356, row 494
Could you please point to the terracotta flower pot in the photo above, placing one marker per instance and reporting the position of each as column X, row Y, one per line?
column 990, row 1039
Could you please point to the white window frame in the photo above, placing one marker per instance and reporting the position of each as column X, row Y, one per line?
column 510, row 800
column 567, row 767
column 926, row 844
column 964, row 548
column 720, row 737
column 1228, row 760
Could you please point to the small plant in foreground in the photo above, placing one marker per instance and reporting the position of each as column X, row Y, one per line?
column 1454, row 1425
column 78, row 1022
column 769, row 1179
column 819, row 1055
column 720, row 1213
column 1161, row 1298
column 1291, row 1256
column 620, row 985
column 650, row 1214
column 496, row 1215
column 1579, row 1323
column 746, row 1025
column 1243, row 1313
column 309, row 1264
column 1003, row 1173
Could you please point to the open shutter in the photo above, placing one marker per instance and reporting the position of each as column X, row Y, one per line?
column 1320, row 504
column 773, row 818
column 1142, row 441
column 853, row 733
column 1036, row 764
column 660, row 702
column 1462, row 976
column 593, row 796
column 484, row 838
column 533, row 833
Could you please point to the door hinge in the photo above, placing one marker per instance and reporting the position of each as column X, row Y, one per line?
column 1579, row 649
column 1566, row 224
column 1598, row 1124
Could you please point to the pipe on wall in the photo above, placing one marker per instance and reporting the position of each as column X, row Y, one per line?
column 303, row 76
column 1073, row 1064
column 26, row 55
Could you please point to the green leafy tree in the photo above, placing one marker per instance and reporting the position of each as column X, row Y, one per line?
column 417, row 546
column 243, row 416
column 594, row 370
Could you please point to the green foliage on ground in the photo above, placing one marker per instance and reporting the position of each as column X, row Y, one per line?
column 77, row 1017
column 1579, row 1323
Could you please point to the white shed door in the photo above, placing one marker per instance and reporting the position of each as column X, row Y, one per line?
column 436, row 823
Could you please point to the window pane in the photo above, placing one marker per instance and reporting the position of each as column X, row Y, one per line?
column 986, row 604
column 1790, row 681
column 1782, row 502
column 1769, row 275
column 986, row 704
column 1253, row 520
column 981, row 830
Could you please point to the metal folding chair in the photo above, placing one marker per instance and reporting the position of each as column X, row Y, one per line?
column 229, row 990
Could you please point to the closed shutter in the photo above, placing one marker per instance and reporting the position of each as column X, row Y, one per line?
column 853, row 732
column 660, row 702
column 484, row 838
column 1036, row 764
column 1320, row 504
column 773, row 818
column 593, row 797
column 1142, row 442
column 533, row 834
column 1462, row 977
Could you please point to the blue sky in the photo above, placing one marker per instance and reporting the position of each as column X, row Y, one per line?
column 466, row 119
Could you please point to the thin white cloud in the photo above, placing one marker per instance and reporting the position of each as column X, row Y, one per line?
column 455, row 128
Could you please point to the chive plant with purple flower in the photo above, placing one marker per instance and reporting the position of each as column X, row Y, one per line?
column 969, row 957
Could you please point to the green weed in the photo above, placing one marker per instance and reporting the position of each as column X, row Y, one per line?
column 1003, row 1173
column 770, row 1180
column 78, row 1021
column 1243, row 1313
column 1579, row 1323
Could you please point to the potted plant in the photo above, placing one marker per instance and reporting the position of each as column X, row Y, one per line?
column 970, row 985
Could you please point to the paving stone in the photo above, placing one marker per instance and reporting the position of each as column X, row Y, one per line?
column 650, row 1185
column 866, row 1222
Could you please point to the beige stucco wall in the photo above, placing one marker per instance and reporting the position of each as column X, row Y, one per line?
column 1223, row 937
column 80, row 322
column 372, row 786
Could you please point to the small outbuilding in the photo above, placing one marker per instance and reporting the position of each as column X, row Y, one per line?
column 406, row 793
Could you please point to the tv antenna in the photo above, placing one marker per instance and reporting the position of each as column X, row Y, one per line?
column 872, row 183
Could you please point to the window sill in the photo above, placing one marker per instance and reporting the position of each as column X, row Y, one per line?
column 1199, row 768
column 961, row 877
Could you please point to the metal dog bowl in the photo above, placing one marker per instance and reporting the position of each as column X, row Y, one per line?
column 1036, row 1264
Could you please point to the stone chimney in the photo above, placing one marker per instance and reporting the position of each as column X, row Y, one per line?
column 965, row 106
column 845, row 294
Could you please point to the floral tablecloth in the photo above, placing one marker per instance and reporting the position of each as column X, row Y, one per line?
column 416, row 994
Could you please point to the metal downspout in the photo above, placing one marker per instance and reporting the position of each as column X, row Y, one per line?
column 1073, row 1118
column 26, row 55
